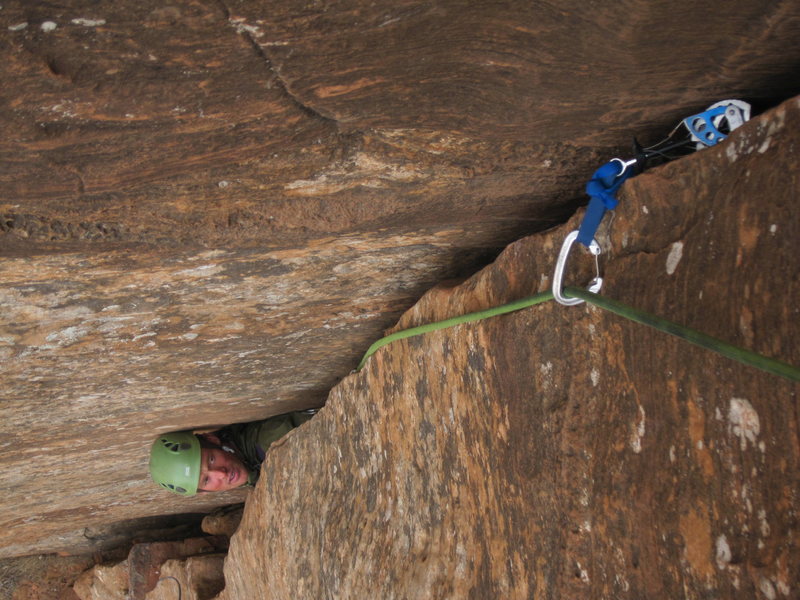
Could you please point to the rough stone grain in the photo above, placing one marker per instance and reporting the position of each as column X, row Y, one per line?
column 196, row 578
column 563, row 452
column 208, row 208
column 104, row 582
column 141, row 570
column 145, row 560
column 43, row 577
column 223, row 521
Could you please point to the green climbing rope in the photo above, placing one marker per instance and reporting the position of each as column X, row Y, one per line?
column 770, row 365
column 453, row 321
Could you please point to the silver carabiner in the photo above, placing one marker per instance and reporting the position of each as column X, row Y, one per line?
column 624, row 164
column 561, row 264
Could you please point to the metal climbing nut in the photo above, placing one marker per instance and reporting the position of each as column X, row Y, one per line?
column 561, row 264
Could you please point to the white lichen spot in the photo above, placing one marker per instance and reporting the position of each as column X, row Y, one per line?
column 783, row 588
column 189, row 336
column 764, row 147
column 241, row 27
column 201, row 271
column 723, row 552
column 718, row 414
column 547, row 163
column 18, row 26
column 762, row 446
column 773, row 228
column 462, row 558
column 223, row 184
column 544, row 281
column 143, row 335
column 89, row 22
column 595, row 375
column 68, row 335
column 644, row 210
column 674, row 257
column 730, row 151
column 766, row 587
column 744, row 421
column 700, row 444
column 583, row 573
column 546, row 368
column 672, row 454
column 638, row 432
column 762, row 522
column 48, row 26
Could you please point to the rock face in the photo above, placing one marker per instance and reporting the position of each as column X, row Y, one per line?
column 209, row 208
column 564, row 452
column 195, row 561
column 197, row 578
column 41, row 577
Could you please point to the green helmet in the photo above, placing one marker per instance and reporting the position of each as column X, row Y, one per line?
column 175, row 462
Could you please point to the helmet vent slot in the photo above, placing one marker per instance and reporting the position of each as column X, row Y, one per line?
column 175, row 446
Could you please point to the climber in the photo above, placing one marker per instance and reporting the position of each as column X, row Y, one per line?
column 186, row 463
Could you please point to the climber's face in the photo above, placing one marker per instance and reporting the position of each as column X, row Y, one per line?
column 220, row 471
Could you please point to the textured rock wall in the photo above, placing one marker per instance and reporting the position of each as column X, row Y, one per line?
column 209, row 208
column 563, row 452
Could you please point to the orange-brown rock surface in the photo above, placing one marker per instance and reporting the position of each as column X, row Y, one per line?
column 564, row 452
column 209, row 208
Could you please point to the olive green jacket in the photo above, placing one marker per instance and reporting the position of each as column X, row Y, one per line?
column 251, row 441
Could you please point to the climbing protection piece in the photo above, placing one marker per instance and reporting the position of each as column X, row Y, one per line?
column 712, row 126
column 705, row 129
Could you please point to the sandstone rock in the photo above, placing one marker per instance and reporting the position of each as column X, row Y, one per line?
column 196, row 578
column 224, row 520
column 43, row 577
column 208, row 209
column 564, row 452
column 145, row 560
column 104, row 582
column 139, row 573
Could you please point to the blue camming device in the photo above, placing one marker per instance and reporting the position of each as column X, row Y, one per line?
column 707, row 128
